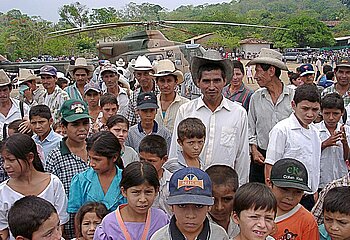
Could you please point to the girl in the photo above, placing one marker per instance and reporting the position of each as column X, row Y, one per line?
column 27, row 177
column 135, row 220
column 87, row 219
column 99, row 183
column 119, row 126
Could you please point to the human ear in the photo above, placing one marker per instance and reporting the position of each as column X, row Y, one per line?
column 235, row 218
column 179, row 142
column 269, row 182
column 123, row 191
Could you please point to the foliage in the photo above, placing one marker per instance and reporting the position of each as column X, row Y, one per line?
column 74, row 14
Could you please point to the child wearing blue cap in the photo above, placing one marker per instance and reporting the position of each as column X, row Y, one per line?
column 190, row 199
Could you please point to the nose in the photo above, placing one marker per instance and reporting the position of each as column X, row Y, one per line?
column 219, row 206
column 191, row 213
column 261, row 222
column 57, row 233
column 92, row 227
column 142, row 198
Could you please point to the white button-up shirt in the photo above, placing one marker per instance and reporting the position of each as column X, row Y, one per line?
column 226, row 139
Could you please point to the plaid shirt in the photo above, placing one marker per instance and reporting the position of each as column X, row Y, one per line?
column 317, row 210
column 242, row 96
column 332, row 89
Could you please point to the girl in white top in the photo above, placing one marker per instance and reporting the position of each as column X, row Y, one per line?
column 27, row 177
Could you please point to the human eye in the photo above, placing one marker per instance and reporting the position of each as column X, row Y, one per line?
column 228, row 199
column 199, row 206
column 181, row 205
column 218, row 80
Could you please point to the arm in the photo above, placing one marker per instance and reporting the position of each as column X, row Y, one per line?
column 344, row 141
column 61, row 202
column 4, row 234
column 267, row 172
column 173, row 144
column 76, row 195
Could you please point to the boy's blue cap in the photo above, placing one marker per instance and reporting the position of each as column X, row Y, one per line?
column 48, row 70
column 306, row 69
column 147, row 100
column 190, row 186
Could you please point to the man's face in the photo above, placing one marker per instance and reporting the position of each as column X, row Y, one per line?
column 110, row 79
column 167, row 84
column 211, row 84
column 81, row 77
column 343, row 76
column 5, row 92
column 223, row 203
column 48, row 81
column 331, row 116
column 144, row 78
column 263, row 78
column 306, row 112
column 41, row 126
column 92, row 98
column 77, row 131
column 308, row 78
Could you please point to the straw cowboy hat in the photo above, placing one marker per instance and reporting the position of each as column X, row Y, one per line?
column 142, row 63
column 81, row 63
column 269, row 56
column 166, row 67
column 210, row 57
column 120, row 62
column 4, row 79
column 25, row 75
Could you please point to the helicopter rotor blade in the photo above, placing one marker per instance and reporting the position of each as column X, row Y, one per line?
column 177, row 29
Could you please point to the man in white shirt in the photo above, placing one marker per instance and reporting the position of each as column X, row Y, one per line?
column 227, row 124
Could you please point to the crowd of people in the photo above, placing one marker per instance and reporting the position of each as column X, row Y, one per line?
column 122, row 151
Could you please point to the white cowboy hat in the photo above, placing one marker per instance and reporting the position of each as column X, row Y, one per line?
column 81, row 63
column 166, row 67
column 269, row 56
column 142, row 63
column 25, row 75
column 210, row 57
column 4, row 79
column 120, row 62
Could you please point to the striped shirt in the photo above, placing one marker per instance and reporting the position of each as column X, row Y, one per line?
column 242, row 96
column 332, row 89
column 73, row 92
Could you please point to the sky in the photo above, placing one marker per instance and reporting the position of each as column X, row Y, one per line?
column 48, row 9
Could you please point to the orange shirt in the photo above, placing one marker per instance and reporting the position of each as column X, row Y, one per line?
column 297, row 224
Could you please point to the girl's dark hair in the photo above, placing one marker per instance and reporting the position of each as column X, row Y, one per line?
column 98, row 208
column 137, row 173
column 112, row 121
column 106, row 144
column 20, row 145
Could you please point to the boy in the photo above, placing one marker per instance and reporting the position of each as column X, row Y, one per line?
column 288, row 181
column 254, row 211
column 225, row 184
column 334, row 136
column 296, row 137
column 40, row 121
column 191, row 138
column 147, row 110
column 109, row 107
column 336, row 211
column 153, row 149
column 92, row 95
column 34, row 218
column 190, row 199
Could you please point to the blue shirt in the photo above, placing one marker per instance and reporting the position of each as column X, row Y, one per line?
column 323, row 233
column 51, row 142
column 86, row 187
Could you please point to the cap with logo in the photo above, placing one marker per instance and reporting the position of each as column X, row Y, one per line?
column 147, row 100
column 48, row 70
column 190, row 186
column 345, row 62
column 306, row 69
column 92, row 86
column 73, row 110
column 290, row 173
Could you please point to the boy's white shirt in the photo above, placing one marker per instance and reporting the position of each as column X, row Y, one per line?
column 161, row 199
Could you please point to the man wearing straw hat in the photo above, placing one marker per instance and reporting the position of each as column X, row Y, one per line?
column 268, row 105
column 32, row 94
column 226, row 139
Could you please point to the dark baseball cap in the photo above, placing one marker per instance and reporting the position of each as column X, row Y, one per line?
column 290, row 173
column 73, row 110
column 306, row 69
column 345, row 62
column 48, row 70
column 190, row 186
column 147, row 100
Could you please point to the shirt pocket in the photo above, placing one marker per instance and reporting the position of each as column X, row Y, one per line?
column 228, row 136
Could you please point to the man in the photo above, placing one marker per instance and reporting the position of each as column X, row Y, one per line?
column 143, row 72
column 268, row 105
column 226, row 139
column 307, row 73
column 54, row 96
column 35, row 94
column 81, row 73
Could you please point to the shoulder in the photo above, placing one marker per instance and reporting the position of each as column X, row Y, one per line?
column 217, row 232
column 162, row 234
column 159, row 215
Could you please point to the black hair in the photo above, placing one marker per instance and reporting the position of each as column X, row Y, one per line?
column 108, row 98
column 20, row 145
column 87, row 71
column 112, row 121
column 266, row 67
column 330, row 75
column 137, row 173
column 254, row 195
column 41, row 111
column 211, row 67
column 27, row 214
column 95, row 207
column 174, row 76
column 64, row 122
column 332, row 101
column 104, row 143
column 14, row 125
column 308, row 92
column 338, row 200
column 293, row 76
column 154, row 144
column 190, row 128
column 223, row 175
column 239, row 65
column 327, row 68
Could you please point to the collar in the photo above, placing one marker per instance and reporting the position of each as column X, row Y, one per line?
column 294, row 123
column 323, row 128
column 285, row 90
column 176, row 234
column 50, row 137
column 323, row 232
column 224, row 104
column 177, row 98
column 63, row 147
column 181, row 160
column 154, row 130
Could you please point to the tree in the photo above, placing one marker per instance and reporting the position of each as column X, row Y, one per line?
column 104, row 15
column 74, row 14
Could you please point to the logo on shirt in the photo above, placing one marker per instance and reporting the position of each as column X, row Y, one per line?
column 190, row 181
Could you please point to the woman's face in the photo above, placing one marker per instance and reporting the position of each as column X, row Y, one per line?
column 101, row 164
column 13, row 166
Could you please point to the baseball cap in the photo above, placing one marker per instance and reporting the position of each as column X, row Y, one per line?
column 190, row 186
column 345, row 62
column 147, row 100
column 109, row 67
column 306, row 69
column 92, row 86
column 48, row 70
column 73, row 110
column 290, row 173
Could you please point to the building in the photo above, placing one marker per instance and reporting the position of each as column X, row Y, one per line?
column 252, row 46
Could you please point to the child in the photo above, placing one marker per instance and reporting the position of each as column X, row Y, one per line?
column 87, row 218
column 109, row 107
column 288, row 181
column 255, row 209
column 34, row 218
column 147, row 110
column 191, row 138
column 153, row 149
column 135, row 220
column 225, row 184
column 190, row 199
column 27, row 177
column 119, row 126
column 334, row 137
column 58, row 128
column 336, row 211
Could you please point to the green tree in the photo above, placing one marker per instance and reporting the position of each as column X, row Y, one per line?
column 74, row 14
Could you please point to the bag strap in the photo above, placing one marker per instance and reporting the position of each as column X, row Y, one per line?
column 4, row 131
column 21, row 108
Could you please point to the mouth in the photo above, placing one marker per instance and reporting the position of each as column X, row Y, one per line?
column 259, row 234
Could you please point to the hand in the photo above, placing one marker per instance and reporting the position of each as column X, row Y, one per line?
column 343, row 135
column 24, row 127
column 332, row 140
column 258, row 157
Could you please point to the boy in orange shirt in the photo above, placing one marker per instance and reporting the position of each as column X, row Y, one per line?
column 288, row 181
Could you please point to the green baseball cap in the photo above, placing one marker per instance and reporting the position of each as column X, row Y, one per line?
column 73, row 110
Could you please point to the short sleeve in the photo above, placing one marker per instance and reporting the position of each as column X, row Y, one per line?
column 60, row 201
column 75, row 200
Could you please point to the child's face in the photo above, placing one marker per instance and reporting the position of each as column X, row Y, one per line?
column 337, row 225
column 109, row 110
column 120, row 130
column 153, row 159
column 306, row 112
column 101, row 164
column 147, row 115
column 92, row 98
column 140, row 198
column 89, row 224
column 77, row 131
column 13, row 166
column 41, row 126
column 61, row 131
column 190, row 218
column 223, row 203
column 331, row 116
column 255, row 224
column 49, row 229
column 287, row 198
column 192, row 147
